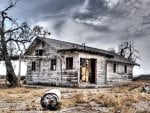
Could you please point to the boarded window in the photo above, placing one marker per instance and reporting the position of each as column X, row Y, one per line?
column 39, row 52
column 125, row 68
column 33, row 66
column 114, row 68
column 53, row 64
column 69, row 63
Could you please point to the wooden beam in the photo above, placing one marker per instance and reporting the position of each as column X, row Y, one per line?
column 15, row 57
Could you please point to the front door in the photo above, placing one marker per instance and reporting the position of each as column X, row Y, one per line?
column 88, row 70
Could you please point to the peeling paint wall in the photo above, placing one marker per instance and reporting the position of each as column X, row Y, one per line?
column 43, row 73
column 120, row 74
column 100, row 65
column 70, row 77
column 65, row 77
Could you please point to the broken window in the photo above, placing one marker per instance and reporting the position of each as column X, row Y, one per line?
column 53, row 64
column 125, row 68
column 33, row 66
column 114, row 68
column 39, row 52
column 69, row 63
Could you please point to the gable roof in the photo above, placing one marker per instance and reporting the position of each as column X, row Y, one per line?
column 68, row 46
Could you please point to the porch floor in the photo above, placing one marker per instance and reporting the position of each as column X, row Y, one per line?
column 92, row 85
column 108, row 85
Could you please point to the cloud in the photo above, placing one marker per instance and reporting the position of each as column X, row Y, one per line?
column 143, row 46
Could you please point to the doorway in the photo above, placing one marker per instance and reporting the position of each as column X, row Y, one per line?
column 88, row 70
column 93, row 71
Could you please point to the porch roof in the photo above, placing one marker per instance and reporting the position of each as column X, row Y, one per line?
column 87, row 50
column 121, row 59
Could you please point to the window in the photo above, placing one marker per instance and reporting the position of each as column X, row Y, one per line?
column 33, row 66
column 114, row 68
column 69, row 63
column 39, row 52
column 125, row 68
column 43, row 44
column 53, row 64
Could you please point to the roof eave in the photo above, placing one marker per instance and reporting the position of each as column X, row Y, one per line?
column 131, row 63
column 86, row 51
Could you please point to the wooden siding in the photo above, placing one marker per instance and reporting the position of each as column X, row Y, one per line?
column 120, row 74
column 61, row 76
column 44, row 75
column 100, row 65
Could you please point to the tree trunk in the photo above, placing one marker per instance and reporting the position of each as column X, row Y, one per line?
column 10, row 74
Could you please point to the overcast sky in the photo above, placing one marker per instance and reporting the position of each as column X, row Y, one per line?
column 98, row 23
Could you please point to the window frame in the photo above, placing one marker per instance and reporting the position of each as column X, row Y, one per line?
column 39, row 52
column 33, row 64
column 114, row 67
column 125, row 69
column 69, row 63
column 53, row 64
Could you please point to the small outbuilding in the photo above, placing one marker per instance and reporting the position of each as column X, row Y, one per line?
column 60, row 63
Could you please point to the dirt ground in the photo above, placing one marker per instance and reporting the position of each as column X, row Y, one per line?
column 127, row 98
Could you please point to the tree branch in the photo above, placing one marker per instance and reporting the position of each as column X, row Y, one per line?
column 10, row 6
column 17, row 40
column 12, row 30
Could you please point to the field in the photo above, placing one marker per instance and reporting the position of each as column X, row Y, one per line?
column 127, row 98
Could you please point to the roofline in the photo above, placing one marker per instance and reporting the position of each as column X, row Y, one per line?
column 37, row 38
column 86, row 51
column 131, row 63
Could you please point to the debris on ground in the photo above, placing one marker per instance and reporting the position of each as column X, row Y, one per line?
column 146, row 89
column 51, row 100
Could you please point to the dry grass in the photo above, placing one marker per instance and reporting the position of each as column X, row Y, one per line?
column 120, row 98
column 81, row 97
column 19, row 94
column 121, row 102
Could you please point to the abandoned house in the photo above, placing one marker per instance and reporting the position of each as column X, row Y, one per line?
column 61, row 63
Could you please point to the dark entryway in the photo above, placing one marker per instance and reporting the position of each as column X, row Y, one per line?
column 93, row 71
column 88, row 70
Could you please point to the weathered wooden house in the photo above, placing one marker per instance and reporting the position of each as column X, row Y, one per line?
column 62, row 63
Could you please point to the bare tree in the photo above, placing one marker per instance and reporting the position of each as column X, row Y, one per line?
column 14, row 37
column 127, row 50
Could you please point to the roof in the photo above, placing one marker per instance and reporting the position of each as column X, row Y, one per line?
column 120, row 59
column 68, row 46
column 87, row 50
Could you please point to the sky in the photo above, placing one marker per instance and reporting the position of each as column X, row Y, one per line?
column 98, row 23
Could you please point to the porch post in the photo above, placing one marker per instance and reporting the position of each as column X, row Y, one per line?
column 106, row 72
column 79, row 73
